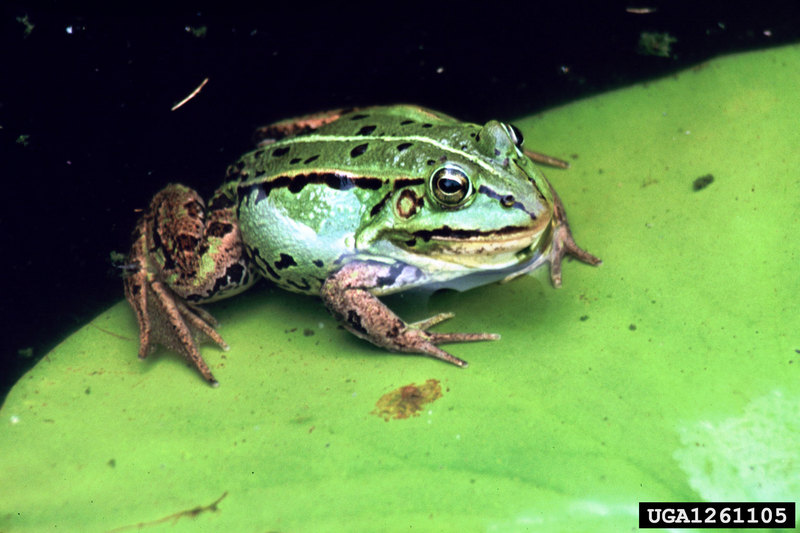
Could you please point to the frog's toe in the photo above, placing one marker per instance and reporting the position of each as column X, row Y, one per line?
column 563, row 245
column 432, row 321
column 428, row 345
column 447, row 338
column 202, row 324
column 437, row 353
column 167, row 320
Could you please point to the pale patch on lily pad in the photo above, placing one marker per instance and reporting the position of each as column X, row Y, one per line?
column 753, row 456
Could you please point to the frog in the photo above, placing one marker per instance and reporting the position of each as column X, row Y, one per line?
column 350, row 205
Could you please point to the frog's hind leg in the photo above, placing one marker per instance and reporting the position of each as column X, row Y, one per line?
column 165, row 319
column 184, row 253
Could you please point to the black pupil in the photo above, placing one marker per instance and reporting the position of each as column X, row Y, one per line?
column 450, row 185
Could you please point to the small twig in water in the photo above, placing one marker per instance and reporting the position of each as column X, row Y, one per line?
column 174, row 517
column 192, row 95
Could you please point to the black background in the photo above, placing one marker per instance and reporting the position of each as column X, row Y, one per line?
column 93, row 92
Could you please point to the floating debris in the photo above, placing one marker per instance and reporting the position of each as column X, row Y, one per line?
column 702, row 182
column 655, row 44
column 407, row 401
column 641, row 10
column 26, row 22
column 192, row 95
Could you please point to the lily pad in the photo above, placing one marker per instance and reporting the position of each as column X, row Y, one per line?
column 671, row 372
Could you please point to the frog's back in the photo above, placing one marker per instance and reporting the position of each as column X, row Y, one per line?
column 383, row 141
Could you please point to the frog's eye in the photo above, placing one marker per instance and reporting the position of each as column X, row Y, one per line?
column 515, row 134
column 450, row 186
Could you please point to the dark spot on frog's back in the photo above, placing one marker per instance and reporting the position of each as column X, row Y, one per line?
column 285, row 261
column 359, row 150
column 404, row 146
column 366, row 130
column 279, row 152
column 318, row 263
column 358, row 116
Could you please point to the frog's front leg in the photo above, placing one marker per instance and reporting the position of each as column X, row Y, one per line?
column 182, row 254
column 347, row 295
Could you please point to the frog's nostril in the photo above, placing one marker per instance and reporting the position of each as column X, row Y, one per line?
column 508, row 200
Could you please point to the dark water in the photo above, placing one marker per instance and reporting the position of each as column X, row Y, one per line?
column 88, row 136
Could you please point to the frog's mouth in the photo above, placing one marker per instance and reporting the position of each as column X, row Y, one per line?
column 476, row 248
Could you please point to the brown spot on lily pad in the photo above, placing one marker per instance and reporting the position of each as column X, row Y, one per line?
column 408, row 400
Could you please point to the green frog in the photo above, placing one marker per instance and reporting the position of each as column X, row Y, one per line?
column 350, row 205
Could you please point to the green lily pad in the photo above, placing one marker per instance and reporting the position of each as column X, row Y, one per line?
column 671, row 372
